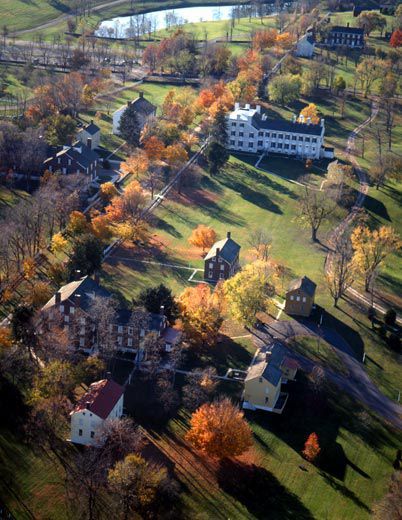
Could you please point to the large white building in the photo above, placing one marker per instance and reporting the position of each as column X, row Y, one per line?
column 250, row 130
column 102, row 401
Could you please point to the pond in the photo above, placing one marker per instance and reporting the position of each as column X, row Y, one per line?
column 146, row 24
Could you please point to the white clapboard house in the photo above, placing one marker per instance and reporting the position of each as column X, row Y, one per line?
column 250, row 130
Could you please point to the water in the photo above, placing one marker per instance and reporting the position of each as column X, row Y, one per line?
column 146, row 24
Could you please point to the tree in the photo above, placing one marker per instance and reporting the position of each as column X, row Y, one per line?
column 219, row 430
column 59, row 243
column 86, row 255
column 154, row 148
column 136, row 164
column 129, row 127
column 90, row 369
column 371, row 248
column 368, row 71
column 339, row 84
column 107, row 191
column 201, row 313
column 199, row 388
column 311, row 447
column 128, row 209
column 384, row 168
column 39, row 294
column 341, row 271
column 135, row 483
column 117, row 438
column 309, row 112
column 396, row 38
column 217, row 156
column 260, row 242
column 371, row 21
column 156, row 298
column 219, row 129
column 315, row 208
column 175, row 155
column 249, row 291
column 77, row 224
column 55, row 378
column 284, row 89
column 60, row 129
column 390, row 317
column 202, row 236
column 101, row 227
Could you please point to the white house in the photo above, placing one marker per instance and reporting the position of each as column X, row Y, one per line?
column 250, row 130
column 305, row 46
column 143, row 110
column 90, row 135
column 103, row 400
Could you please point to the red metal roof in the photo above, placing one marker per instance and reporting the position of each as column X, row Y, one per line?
column 102, row 396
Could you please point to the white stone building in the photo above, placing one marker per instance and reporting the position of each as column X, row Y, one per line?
column 251, row 131
column 306, row 45
column 103, row 400
column 143, row 110
column 90, row 135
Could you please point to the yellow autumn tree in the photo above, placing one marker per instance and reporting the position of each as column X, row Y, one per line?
column 371, row 248
column 107, row 191
column 77, row 223
column 250, row 291
column 59, row 243
column 137, row 164
column 202, row 236
column 219, row 430
column 39, row 294
column 201, row 313
column 29, row 268
column 175, row 155
column 310, row 111
column 101, row 227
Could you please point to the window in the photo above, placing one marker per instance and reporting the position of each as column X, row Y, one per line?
column 241, row 134
column 61, row 308
column 286, row 147
column 92, row 435
column 221, row 276
column 287, row 136
column 304, row 299
column 241, row 125
column 80, row 433
column 210, row 274
column 222, row 267
column 219, row 259
column 292, row 298
column 120, row 328
column 119, row 340
column 82, row 321
column 314, row 140
column 232, row 143
column 280, row 136
column 130, row 342
column 58, row 160
column 240, row 143
column 233, row 124
column 82, row 342
column 259, row 143
column 260, row 379
column 280, row 145
column 266, row 400
column 72, row 310
column 307, row 139
column 251, row 135
column 260, row 134
column 69, row 162
column 273, row 145
column 300, row 138
column 66, row 319
column 273, row 136
column 82, row 331
column 130, row 331
column 266, row 134
column 232, row 133
column 250, row 145
column 293, row 147
column 294, row 138
column 297, row 298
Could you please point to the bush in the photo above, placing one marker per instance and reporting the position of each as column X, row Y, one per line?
column 390, row 317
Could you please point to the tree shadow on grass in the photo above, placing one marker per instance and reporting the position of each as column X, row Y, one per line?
column 163, row 225
column 345, row 491
column 376, row 207
column 260, row 492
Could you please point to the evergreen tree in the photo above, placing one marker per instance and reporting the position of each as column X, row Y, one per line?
column 217, row 156
column 129, row 127
column 219, row 130
column 86, row 256
column 154, row 298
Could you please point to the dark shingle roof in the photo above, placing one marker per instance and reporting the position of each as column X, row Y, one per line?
column 304, row 284
column 144, row 106
column 78, row 152
column 347, row 30
column 228, row 250
column 86, row 287
column 91, row 128
column 288, row 126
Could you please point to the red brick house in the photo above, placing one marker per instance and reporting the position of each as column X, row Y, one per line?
column 222, row 260
column 77, row 158
column 300, row 297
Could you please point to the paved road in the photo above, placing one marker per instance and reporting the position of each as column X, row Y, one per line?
column 357, row 383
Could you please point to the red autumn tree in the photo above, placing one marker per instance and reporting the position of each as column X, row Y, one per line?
column 396, row 38
column 219, row 430
column 311, row 447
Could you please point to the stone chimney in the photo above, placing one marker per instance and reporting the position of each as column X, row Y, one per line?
column 128, row 103
column 322, row 122
column 162, row 310
column 268, row 356
column 89, row 143
column 228, row 234
column 247, row 106
column 92, row 121
column 57, row 297
column 217, row 252
column 77, row 274
column 347, row 25
column 141, row 94
column 77, row 300
column 88, row 405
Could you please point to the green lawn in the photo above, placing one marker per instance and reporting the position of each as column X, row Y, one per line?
column 319, row 351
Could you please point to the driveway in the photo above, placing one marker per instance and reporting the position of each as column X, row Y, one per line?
column 357, row 384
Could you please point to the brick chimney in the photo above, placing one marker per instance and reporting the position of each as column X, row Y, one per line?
column 77, row 300
column 228, row 234
column 89, row 143
column 88, row 405
column 57, row 297
column 128, row 103
column 141, row 94
column 217, row 252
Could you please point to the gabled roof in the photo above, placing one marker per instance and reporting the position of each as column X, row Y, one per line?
column 228, row 250
column 304, row 284
column 267, row 363
column 91, row 128
column 86, row 287
column 100, row 399
column 346, row 30
column 141, row 105
column 78, row 152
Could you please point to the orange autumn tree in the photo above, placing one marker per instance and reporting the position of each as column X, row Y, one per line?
column 311, row 447
column 137, row 164
column 202, row 236
column 154, row 148
column 175, row 155
column 310, row 111
column 201, row 313
column 285, row 40
column 219, row 430
column 107, row 191
column 264, row 39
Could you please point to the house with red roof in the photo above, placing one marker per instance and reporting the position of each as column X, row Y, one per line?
column 102, row 401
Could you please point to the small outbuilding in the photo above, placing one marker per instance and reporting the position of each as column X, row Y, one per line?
column 222, row 260
column 143, row 109
column 300, row 297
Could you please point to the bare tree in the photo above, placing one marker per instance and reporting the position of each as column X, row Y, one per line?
column 117, row 438
column 341, row 271
column 260, row 242
column 315, row 208
column 200, row 387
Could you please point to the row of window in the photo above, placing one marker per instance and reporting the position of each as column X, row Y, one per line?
column 292, row 298
column 275, row 136
column 211, row 266
column 211, row 275
column 272, row 145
